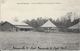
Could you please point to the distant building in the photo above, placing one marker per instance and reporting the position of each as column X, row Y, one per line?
column 15, row 26
column 22, row 26
column 50, row 26
column 6, row 26
column 75, row 27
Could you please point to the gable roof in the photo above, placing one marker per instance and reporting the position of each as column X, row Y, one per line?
column 5, row 23
column 48, row 24
column 21, row 25
column 18, row 23
column 76, row 26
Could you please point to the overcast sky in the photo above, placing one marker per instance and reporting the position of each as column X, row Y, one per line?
column 15, row 8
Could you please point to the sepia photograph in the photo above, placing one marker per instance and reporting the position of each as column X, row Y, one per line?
column 39, row 25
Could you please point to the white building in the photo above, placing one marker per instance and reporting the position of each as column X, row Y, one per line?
column 22, row 26
column 49, row 26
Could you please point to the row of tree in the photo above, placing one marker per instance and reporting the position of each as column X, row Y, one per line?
column 63, row 22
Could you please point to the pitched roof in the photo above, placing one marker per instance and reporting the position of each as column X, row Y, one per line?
column 21, row 25
column 76, row 26
column 48, row 24
column 18, row 23
column 6, row 22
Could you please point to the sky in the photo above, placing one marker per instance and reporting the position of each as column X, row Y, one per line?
column 29, row 9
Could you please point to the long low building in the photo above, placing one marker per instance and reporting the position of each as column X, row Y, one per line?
column 22, row 26
column 14, row 26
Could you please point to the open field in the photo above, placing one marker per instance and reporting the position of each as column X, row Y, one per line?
column 40, row 50
column 38, row 39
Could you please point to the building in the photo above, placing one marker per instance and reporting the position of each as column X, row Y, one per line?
column 49, row 26
column 14, row 26
column 6, row 26
column 75, row 27
column 22, row 26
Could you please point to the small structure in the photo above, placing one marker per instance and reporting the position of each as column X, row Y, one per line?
column 75, row 27
column 6, row 26
column 49, row 26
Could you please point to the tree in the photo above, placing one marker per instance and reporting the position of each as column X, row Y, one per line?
column 65, row 21
column 36, row 22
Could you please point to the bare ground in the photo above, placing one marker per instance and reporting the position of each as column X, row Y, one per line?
column 35, row 39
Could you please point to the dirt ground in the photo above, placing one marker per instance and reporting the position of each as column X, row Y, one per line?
column 35, row 39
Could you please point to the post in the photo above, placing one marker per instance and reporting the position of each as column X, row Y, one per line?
column 79, row 25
